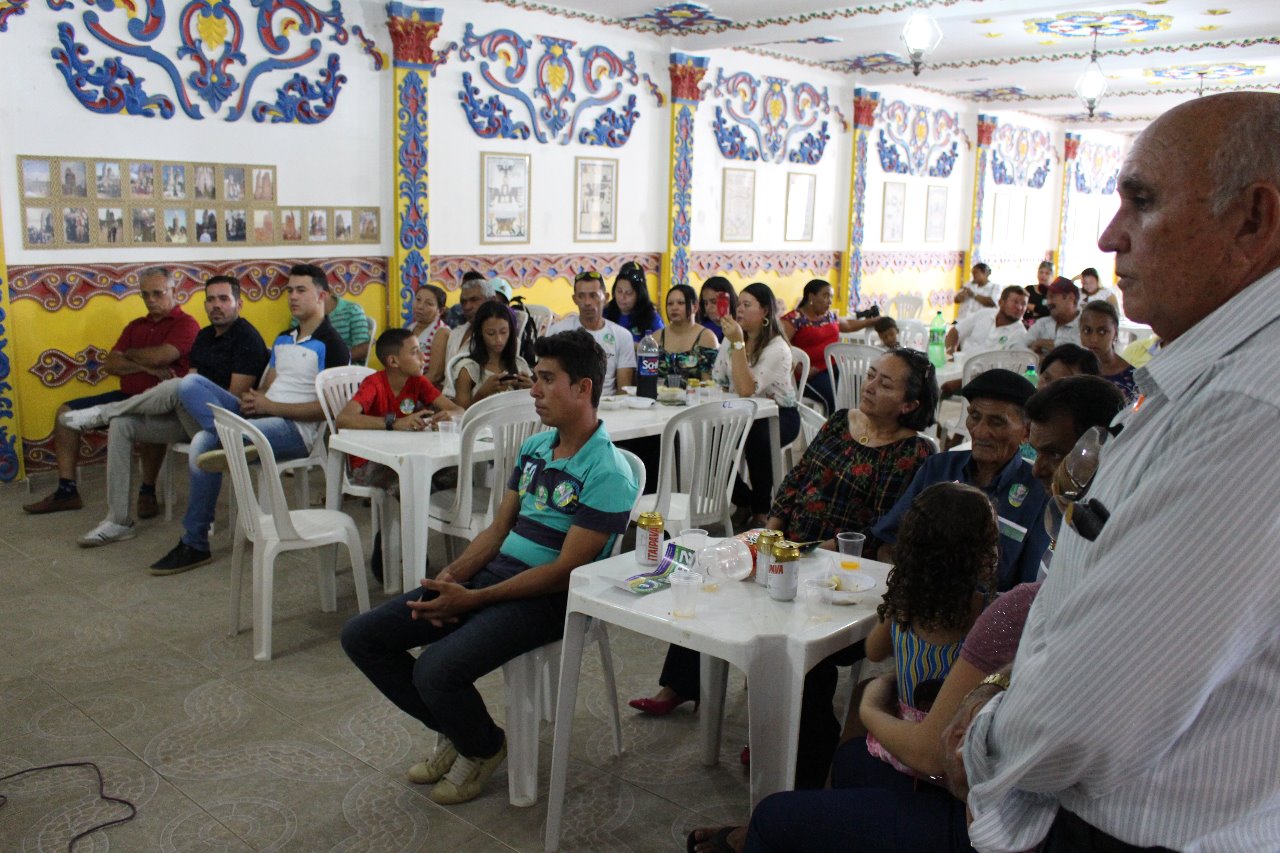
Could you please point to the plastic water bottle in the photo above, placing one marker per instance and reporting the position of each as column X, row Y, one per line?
column 647, row 380
column 938, row 341
column 1031, row 374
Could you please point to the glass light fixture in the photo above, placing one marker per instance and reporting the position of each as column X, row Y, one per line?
column 1092, row 85
column 920, row 36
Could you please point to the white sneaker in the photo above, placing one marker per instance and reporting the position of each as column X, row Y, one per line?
column 433, row 768
column 83, row 419
column 466, row 778
column 107, row 532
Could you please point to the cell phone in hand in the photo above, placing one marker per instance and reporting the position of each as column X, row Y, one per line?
column 722, row 304
column 428, row 594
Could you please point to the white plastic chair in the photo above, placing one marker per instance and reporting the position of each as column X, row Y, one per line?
column 1017, row 360
column 850, row 363
column 913, row 334
column 267, row 522
column 530, row 683
column 335, row 387
column 470, row 508
column 906, row 306
column 811, row 421
column 373, row 336
column 800, row 367
column 719, row 433
column 542, row 317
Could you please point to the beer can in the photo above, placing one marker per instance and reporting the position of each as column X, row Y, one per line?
column 765, row 543
column 784, row 573
column 649, row 538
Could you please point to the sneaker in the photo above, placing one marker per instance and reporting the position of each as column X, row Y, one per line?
column 215, row 461
column 181, row 559
column 56, row 502
column 148, row 505
column 434, row 768
column 107, row 532
column 466, row 778
column 83, row 419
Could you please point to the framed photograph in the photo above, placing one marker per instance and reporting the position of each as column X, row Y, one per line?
column 204, row 183
column 342, row 225
column 596, row 192
column 264, row 226
column 802, row 188
column 317, row 225
column 893, row 218
column 144, row 224
column 233, row 183
column 367, row 230
column 173, row 182
column 106, row 179
column 738, row 206
column 110, row 226
column 35, row 179
column 236, row 226
column 176, row 230
column 504, row 193
column 264, row 184
column 39, row 226
column 75, row 226
column 935, row 215
column 142, row 181
column 206, row 222
column 75, row 182
column 291, row 225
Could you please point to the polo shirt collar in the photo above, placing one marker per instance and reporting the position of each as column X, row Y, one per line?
column 1008, row 475
column 1176, row 367
column 599, row 435
column 172, row 315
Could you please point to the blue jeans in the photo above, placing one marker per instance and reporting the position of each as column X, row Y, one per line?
column 197, row 394
column 438, row 688
column 870, row 807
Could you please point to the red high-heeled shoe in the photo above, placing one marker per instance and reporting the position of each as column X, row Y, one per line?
column 659, row 707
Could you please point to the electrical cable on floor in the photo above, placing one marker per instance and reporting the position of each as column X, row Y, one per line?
column 102, row 794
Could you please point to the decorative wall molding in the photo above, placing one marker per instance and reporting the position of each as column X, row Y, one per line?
column 55, row 368
column 1126, row 22
column 525, row 270
column 71, row 286
column 686, row 73
column 866, row 103
column 1021, row 156
column 10, row 453
column 917, row 140
column 39, row 455
column 1097, row 168
column 986, row 135
column 905, row 261
column 564, row 101
column 774, row 113
column 212, row 36
column 706, row 264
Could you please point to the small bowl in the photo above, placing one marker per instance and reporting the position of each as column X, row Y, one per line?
column 613, row 402
column 639, row 402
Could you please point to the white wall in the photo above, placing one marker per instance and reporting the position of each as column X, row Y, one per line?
column 1089, row 215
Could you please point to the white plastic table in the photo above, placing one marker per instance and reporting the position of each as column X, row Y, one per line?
column 737, row 624
column 416, row 456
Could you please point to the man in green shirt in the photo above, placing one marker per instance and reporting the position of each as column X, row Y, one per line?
column 350, row 322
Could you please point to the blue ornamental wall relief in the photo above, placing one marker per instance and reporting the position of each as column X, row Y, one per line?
column 291, row 79
column 915, row 140
column 577, row 94
column 1020, row 156
column 764, row 119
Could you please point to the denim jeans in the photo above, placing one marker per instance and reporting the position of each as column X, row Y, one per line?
column 196, row 394
column 438, row 688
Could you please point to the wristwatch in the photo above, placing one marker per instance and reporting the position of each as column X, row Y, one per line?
column 999, row 679
column 389, row 419
column 737, row 344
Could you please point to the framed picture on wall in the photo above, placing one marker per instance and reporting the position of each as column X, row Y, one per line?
column 110, row 226
column 176, row 229
column 142, row 180
column 317, row 225
column 173, row 182
column 738, row 206
column 264, row 226
column 264, row 184
column 342, row 225
column 595, row 190
column 35, row 179
column 290, row 225
column 205, row 183
column 39, row 231
column 893, row 218
column 106, row 179
column 233, row 183
column 237, row 226
column 144, row 224
column 367, row 226
column 75, row 181
column 801, row 190
column 935, row 215
column 206, row 221
column 75, row 226
column 504, row 198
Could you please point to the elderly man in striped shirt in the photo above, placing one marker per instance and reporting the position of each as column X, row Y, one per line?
column 1141, row 712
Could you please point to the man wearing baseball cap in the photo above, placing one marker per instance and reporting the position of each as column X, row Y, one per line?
column 1062, row 326
column 997, row 426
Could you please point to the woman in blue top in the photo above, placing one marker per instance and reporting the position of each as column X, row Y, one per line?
column 710, row 295
column 630, row 306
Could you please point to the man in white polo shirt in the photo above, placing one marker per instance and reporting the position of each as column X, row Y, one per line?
column 1062, row 326
column 619, row 350
column 992, row 328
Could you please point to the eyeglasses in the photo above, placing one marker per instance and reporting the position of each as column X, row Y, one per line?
column 1071, row 482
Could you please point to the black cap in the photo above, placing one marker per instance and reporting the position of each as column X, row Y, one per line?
column 999, row 384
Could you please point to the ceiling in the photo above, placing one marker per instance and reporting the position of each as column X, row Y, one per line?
column 1010, row 54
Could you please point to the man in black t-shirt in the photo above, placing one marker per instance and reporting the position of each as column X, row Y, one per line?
column 229, row 352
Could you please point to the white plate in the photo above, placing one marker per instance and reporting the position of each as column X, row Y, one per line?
column 855, row 582
column 613, row 402
column 638, row 402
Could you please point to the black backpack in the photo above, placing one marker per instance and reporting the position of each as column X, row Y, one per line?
column 530, row 334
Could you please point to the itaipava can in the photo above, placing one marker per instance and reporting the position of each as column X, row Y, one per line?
column 765, row 544
column 784, row 574
column 649, row 538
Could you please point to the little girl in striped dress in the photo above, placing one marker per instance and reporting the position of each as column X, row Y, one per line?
column 944, row 567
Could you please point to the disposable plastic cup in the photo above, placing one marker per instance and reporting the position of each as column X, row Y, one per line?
column 684, row 593
column 447, row 425
column 694, row 538
column 850, row 548
column 815, row 599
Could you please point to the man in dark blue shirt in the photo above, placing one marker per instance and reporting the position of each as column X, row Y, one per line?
column 997, row 426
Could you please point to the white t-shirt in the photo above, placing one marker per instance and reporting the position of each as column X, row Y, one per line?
column 1109, row 294
column 477, row 373
column 616, row 342
column 1047, row 328
column 991, row 290
column 772, row 371
column 979, row 333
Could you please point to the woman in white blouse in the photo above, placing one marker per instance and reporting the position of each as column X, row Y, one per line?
column 491, row 366
column 755, row 361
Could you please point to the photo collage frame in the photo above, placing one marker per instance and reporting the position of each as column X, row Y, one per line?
column 96, row 202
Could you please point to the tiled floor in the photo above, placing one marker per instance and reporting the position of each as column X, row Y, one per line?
column 105, row 663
